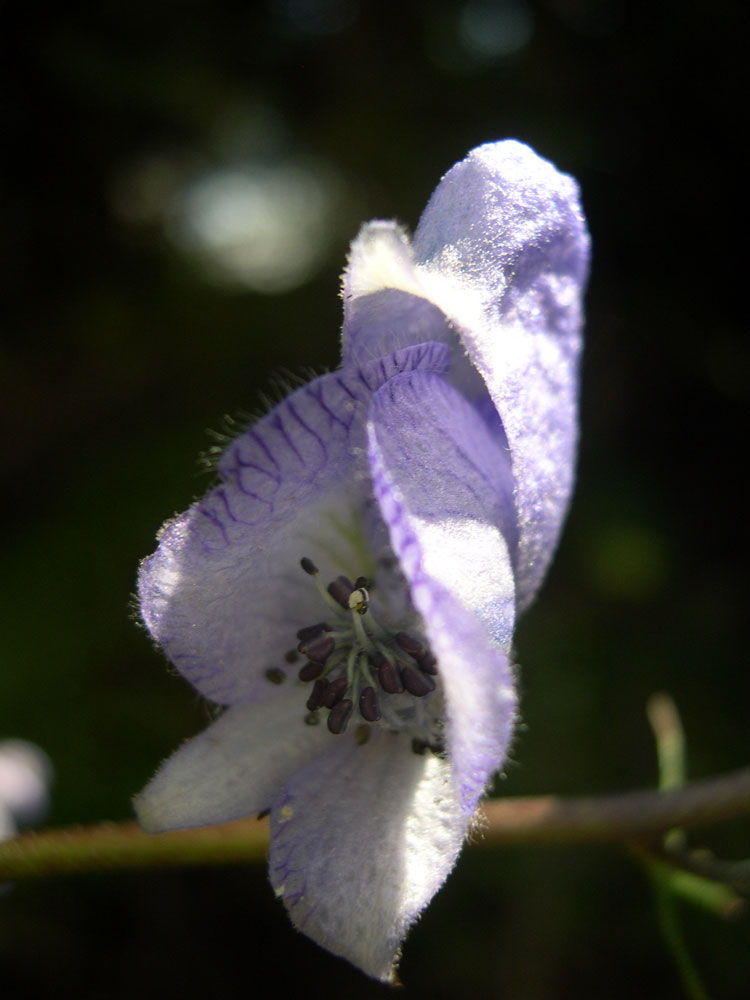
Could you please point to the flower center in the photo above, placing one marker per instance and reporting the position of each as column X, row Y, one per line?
column 353, row 660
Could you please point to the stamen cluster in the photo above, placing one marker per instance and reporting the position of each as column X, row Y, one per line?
column 354, row 659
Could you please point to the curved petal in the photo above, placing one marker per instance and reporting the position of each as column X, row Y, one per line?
column 507, row 225
column 224, row 594
column 234, row 768
column 455, row 483
column 389, row 320
column 381, row 256
column 435, row 471
column 361, row 840
column 502, row 251
column 386, row 303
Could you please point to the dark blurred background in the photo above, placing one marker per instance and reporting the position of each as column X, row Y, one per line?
column 180, row 183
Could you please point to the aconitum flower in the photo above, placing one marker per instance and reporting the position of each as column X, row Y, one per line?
column 349, row 589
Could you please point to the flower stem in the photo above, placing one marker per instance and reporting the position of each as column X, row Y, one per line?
column 532, row 820
column 120, row 846
column 670, row 739
column 548, row 819
column 671, row 928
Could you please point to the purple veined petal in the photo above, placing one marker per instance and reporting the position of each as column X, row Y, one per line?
column 386, row 305
column 380, row 317
column 224, row 593
column 235, row 767
column 361, row 840
column 436, row 476
column 390, row 320
column 502, row 252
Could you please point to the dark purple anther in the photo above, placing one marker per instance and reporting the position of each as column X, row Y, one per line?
column 362, row 583
column 339, row 716
column 313, row 631
column 339, row 589
column 275, row 676
column 417, row 683
column 319, row 649
column 410, row 645
column 428, row 663
column 310, row 671
column 318, row 693
column 335, row 692
column 389, row 678
column 368, row 705
column 309, row 566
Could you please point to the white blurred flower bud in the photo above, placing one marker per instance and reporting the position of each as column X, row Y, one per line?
column 25, row 776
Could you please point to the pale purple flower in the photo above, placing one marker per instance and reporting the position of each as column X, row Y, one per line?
column 436, row 464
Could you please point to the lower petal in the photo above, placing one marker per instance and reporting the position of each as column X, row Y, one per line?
column 234, row 768
column 361, row 840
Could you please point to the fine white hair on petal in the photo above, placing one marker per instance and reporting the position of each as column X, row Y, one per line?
column 502, row 251
column 361, row 840
column 235, row 767
column 380, row 257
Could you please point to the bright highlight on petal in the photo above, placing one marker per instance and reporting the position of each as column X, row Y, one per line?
column 361, row 840
column 350, row 587
column 225, row 773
